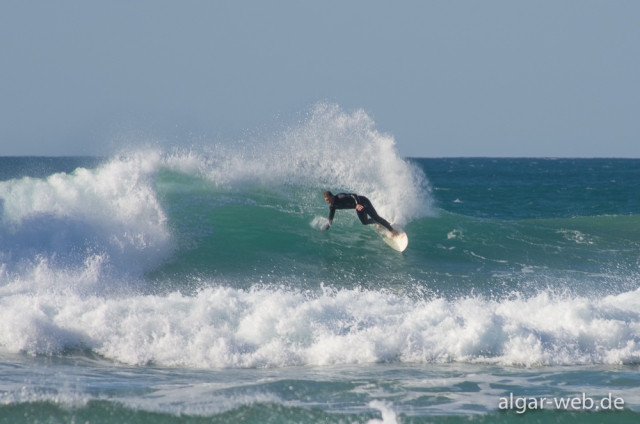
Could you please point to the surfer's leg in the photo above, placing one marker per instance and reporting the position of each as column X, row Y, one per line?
column 362, row 216
column 371, row 211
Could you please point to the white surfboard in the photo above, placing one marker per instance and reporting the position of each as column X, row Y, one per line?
column 399, row 242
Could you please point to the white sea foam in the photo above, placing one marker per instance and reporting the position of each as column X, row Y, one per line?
column 222, row 327
column 388, row 414
column 111, row 212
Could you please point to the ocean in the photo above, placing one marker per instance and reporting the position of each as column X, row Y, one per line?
column 191, row 285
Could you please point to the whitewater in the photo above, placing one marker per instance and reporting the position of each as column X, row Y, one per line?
column 169, row 284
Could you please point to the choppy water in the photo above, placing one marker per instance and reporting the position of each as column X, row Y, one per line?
column 192, row 286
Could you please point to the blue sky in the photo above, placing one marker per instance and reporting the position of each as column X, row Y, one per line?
column 445, row 78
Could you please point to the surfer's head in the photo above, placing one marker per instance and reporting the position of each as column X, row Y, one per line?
column 328, row 197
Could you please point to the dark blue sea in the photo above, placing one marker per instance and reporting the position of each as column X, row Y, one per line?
column 173, row 285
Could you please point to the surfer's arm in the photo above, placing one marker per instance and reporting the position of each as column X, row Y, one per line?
column 332, row 212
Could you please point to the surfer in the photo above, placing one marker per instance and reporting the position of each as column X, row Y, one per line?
column 361, row 204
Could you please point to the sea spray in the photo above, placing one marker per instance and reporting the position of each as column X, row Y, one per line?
column 330, row 150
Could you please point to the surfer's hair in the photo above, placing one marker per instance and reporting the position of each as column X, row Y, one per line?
column 328, row 194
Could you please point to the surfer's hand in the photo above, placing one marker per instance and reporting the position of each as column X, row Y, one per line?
column 359, row 207
column 325, row 227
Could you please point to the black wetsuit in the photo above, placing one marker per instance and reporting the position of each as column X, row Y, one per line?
column 349, row 201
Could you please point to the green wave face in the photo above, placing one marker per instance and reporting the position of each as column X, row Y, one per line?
column 254, row 233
